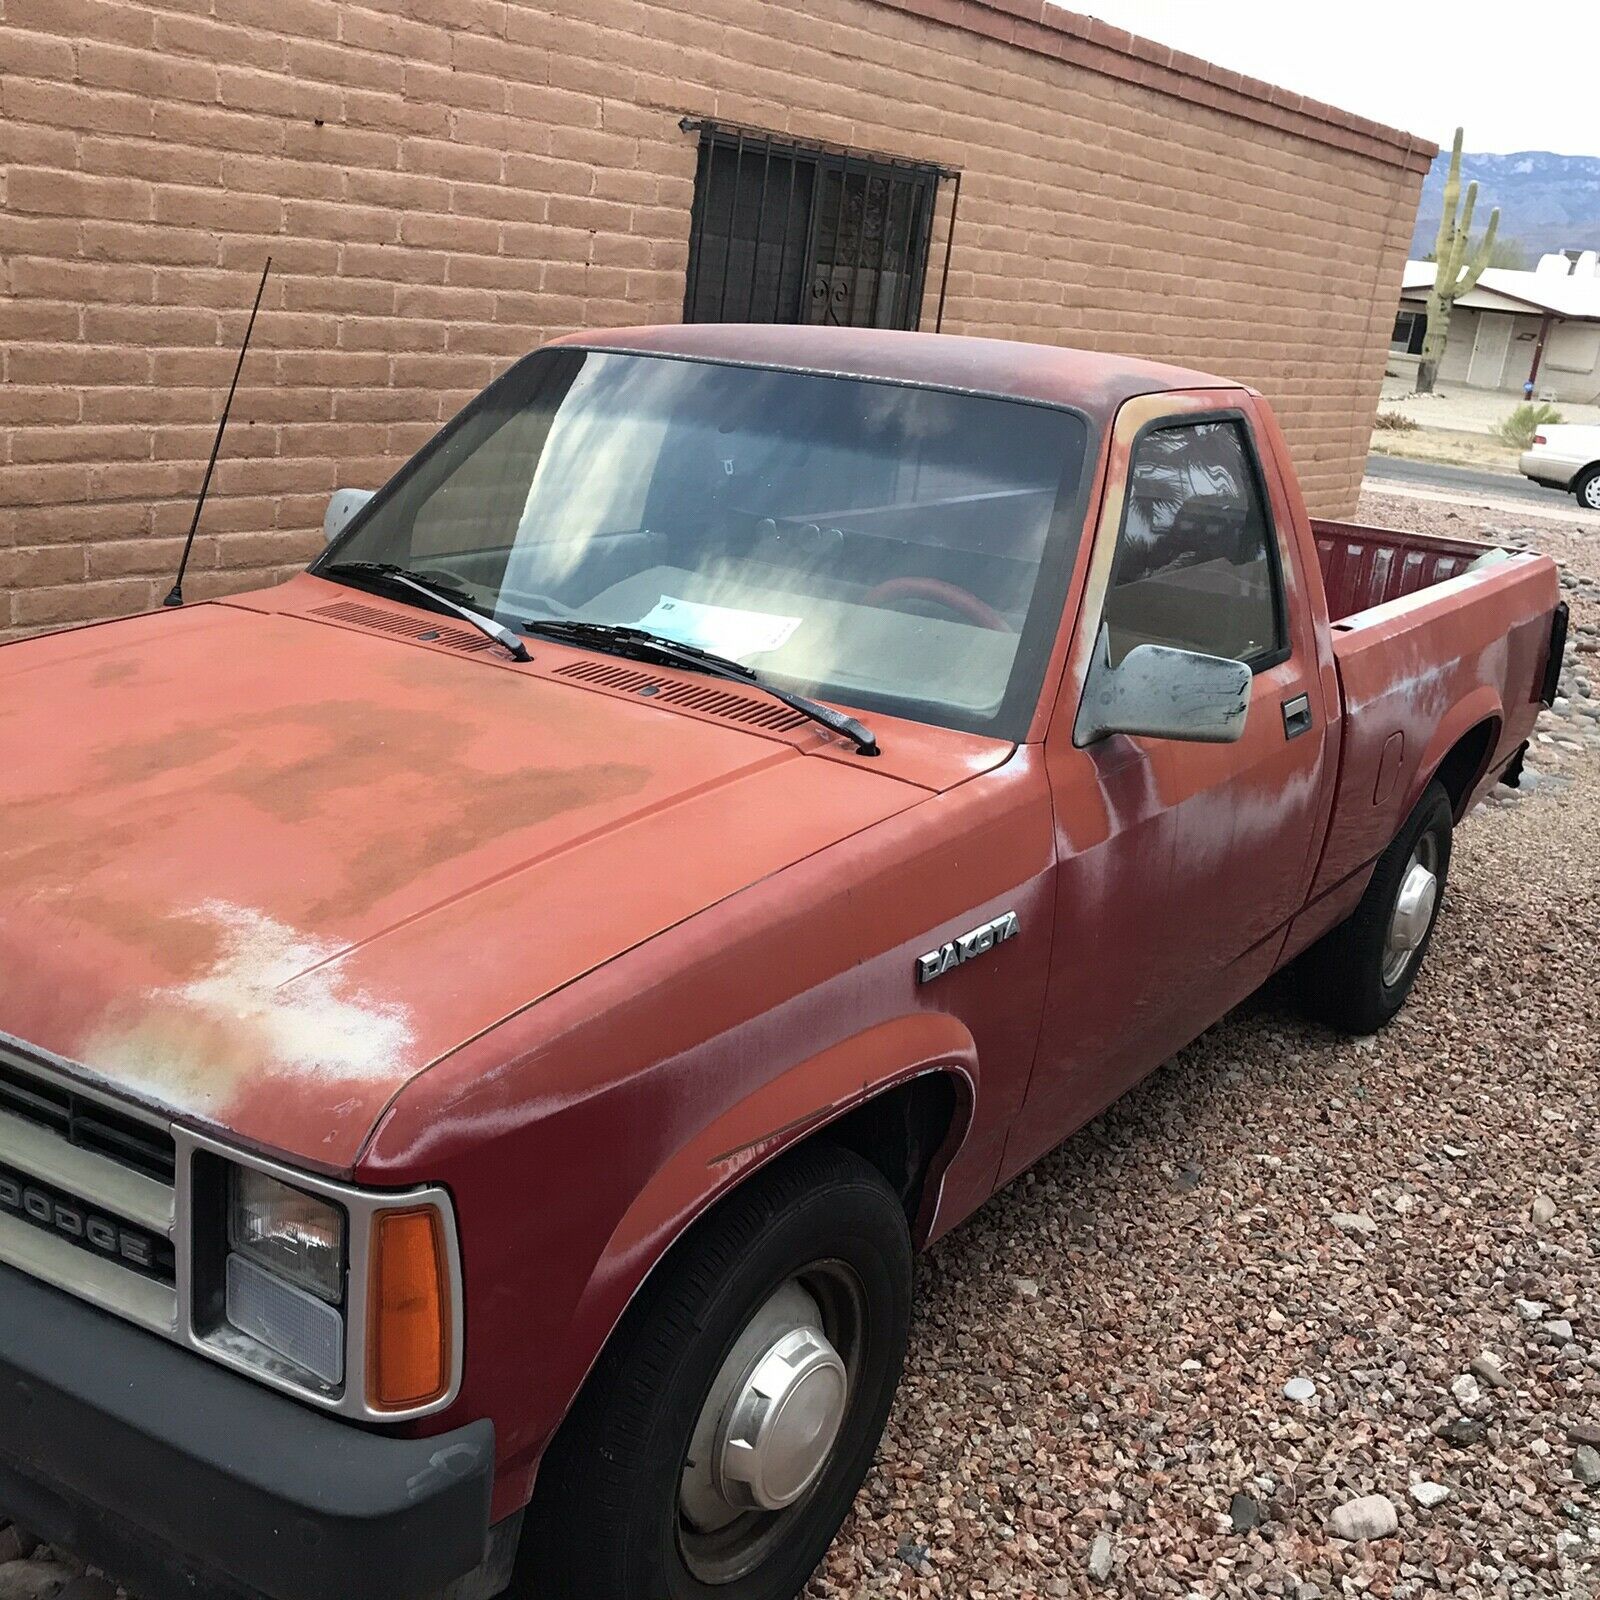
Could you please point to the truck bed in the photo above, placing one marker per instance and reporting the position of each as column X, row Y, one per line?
column 1364, row 567
column 1432, row 644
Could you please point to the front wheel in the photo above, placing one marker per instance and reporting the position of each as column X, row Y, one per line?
column 722, row 1436
column 1587, row 489
column 1358, row 976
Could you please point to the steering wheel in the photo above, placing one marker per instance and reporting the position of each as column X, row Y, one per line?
column 951, row 596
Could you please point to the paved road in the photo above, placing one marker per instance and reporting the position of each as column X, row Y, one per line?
column 1465, row 480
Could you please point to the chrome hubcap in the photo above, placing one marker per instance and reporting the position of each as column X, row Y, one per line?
column 1413, row 910
column 782, row 1426
column 768, row 1427
column 1591, row 493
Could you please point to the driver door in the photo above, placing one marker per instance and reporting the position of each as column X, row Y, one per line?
column 1179, row 864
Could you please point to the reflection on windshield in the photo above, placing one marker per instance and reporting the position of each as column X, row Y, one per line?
column 870, row 543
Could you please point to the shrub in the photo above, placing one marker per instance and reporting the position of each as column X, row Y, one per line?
column 1396, row 422
column 1519, row 428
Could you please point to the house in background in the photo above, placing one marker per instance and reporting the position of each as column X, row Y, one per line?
column 1513, row 330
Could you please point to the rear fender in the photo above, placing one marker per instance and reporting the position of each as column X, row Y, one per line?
column 1481, row 705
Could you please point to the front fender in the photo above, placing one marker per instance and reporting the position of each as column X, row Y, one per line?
column 546, row 1289
column 581, row 1136
column 791, row 1107
column 785, row 1110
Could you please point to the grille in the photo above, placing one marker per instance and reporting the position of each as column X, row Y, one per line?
column 88, row 1124
column 731, row 707
column 381, row 621
column 87, row 1227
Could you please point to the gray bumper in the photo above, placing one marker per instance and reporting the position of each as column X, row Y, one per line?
column 180, row 1478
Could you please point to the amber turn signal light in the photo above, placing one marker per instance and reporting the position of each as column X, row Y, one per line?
column 408, row 1315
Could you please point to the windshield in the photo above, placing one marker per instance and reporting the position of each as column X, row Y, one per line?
column 874, row 544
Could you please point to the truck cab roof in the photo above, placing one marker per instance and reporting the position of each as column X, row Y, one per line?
column 1091, row 380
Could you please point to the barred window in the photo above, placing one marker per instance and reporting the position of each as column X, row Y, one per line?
column 783, row 232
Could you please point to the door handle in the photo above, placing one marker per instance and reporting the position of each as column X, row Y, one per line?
column 1296, row 716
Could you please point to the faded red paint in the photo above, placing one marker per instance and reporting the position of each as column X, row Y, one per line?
column 243, row 886
column 412, row 914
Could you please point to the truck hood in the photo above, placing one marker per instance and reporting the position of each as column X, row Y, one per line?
column 258, row 870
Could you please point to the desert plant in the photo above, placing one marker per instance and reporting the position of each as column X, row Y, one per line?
column 1456, row 272
column 1526, row 420
column 1396, row 422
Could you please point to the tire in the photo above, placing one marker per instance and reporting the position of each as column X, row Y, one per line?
column 1355, row 978
column 611, row 1516
column 1586, row 488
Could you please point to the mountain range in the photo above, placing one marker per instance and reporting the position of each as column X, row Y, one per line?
column 1547, row 202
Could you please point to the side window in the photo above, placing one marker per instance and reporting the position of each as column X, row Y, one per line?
column 1196, row 567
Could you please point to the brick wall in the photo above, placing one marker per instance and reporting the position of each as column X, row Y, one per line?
column 443, row 184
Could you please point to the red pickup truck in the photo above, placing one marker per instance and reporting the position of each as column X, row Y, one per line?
column 485, row 1026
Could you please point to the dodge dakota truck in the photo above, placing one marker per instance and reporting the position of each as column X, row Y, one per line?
column 486, row 1024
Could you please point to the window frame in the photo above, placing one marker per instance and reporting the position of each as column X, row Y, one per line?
column 1416, row 330
column 1264, row 661
column 921, row 178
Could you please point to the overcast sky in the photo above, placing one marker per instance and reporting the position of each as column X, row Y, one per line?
column 1516, row 79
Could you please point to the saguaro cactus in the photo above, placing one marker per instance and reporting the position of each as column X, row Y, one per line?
column 1455, row 272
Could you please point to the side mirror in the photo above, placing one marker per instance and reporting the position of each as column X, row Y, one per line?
column 1163, row 694
column 343, row 504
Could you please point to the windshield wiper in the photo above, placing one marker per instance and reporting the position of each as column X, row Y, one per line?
column 640, row 644
column 614, row 635
column 455, row 601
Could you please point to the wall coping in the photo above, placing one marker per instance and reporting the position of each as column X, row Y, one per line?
column 1050, row 30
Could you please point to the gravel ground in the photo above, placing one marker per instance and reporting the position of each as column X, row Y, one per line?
column 1400, row 1232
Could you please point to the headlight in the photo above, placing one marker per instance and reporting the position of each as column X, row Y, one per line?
column 285, row 1276
column 346, row 1297
column 288, row 1233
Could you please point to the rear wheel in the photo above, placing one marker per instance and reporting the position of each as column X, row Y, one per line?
column 723, row 1435
column 1358, row 976
column 1587, row 489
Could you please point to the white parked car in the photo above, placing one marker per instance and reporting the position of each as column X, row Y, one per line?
column 1567, row 456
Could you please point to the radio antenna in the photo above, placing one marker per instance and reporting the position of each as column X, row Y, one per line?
column 175, row 596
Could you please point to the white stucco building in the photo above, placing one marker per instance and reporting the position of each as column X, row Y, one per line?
column 1512, row 328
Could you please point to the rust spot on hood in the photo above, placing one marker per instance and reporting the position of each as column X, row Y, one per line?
column 179, row 943
column 121, row 669
column 179, row 747
column 389, row 860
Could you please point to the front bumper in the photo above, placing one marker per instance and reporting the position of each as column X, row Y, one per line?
column 182, row 1479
